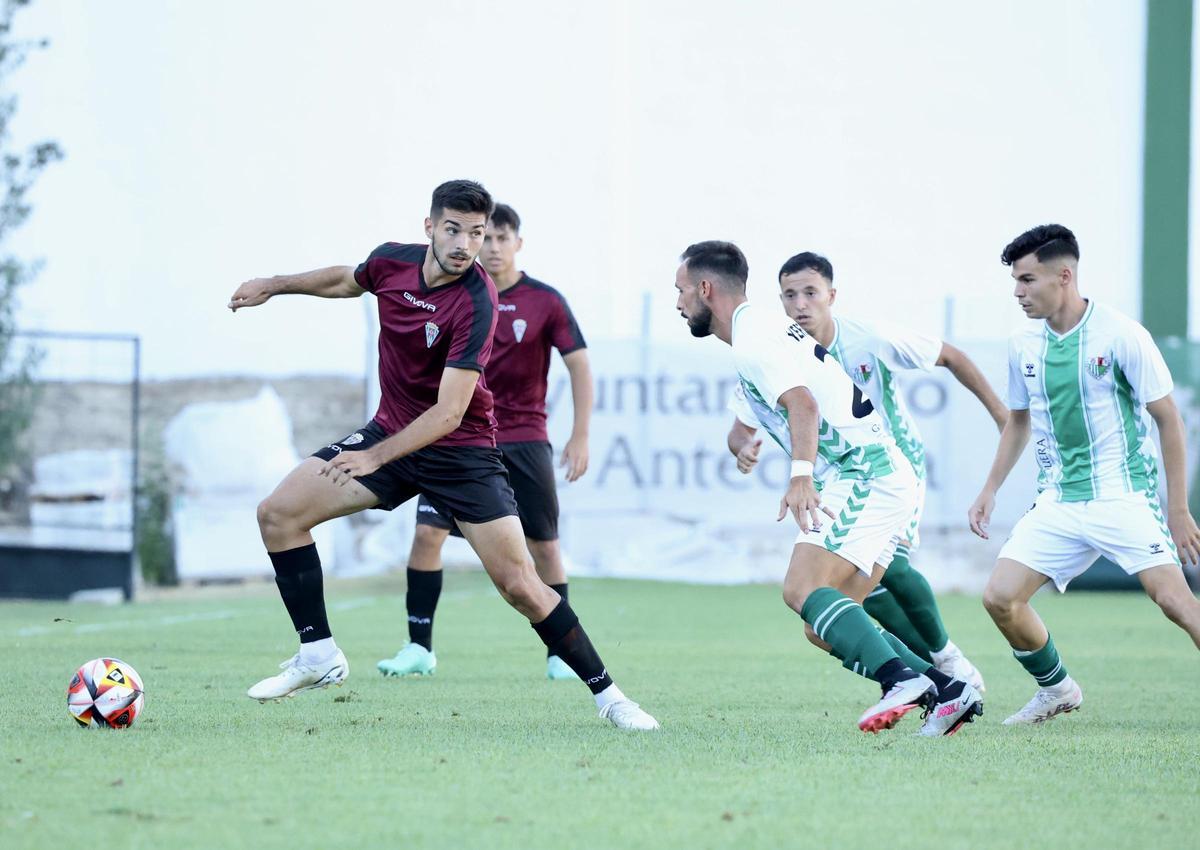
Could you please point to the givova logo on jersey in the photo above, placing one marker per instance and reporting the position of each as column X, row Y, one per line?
column 1098, row 367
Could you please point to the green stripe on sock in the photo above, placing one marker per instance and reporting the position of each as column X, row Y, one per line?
column 1043, row 664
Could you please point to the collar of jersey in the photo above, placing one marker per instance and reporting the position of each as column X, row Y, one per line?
column 520, row 282
column 733, row 319
column 426, row 288
column 837, row 333
column 1091, row 302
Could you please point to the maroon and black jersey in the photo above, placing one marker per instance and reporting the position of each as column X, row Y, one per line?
column 533, row 317
column 424, row 330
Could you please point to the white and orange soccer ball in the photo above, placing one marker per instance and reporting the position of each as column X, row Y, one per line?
column 106, row 692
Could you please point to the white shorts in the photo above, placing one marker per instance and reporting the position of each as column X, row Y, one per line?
column 912, row 532
column 871, row 517
column 1062, row 539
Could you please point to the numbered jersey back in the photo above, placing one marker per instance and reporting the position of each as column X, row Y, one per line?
column 772, row 355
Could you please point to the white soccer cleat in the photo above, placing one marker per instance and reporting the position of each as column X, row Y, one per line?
column 917, row 692
column 950, row 713
column 954, row 664
column 298, row 677
column 627, row 714
column 1049, row 702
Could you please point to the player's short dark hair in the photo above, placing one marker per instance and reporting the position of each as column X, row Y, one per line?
column 723, row 259
column 1046, row 241
column 461, row 196
column 506, row 216
column 808, row 260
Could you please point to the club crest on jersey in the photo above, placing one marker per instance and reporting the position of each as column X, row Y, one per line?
column 519, row 326
column 431, row 334
column 1098, row 366
column 862, row 373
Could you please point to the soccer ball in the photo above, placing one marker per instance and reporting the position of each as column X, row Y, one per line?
column 106, row 692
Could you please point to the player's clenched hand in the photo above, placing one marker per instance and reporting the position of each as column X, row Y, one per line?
column 250, row 294
column 1185, row 534
column 747, row 456
column 348, row 465
column 575, row 458
column 804, row 503
column 980, row 514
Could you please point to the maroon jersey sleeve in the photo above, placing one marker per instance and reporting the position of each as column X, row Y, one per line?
column 366, row 275
column 471, row 335
column 565, row 334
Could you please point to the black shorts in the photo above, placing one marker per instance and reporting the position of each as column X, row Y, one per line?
column 468, row 482
column 531, row 472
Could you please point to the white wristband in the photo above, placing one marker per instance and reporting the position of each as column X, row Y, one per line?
column 802, row 469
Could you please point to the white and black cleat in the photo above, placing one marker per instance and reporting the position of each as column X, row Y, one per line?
column 956, row 705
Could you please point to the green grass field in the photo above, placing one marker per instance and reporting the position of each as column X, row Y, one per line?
column 758, row 748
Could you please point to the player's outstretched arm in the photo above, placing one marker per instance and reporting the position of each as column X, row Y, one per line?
column 331, row 282
column 965, row 371
column 1012, row 443
column 1174, row 451
column 575, row 453
column 743, row 445
column 454, row 396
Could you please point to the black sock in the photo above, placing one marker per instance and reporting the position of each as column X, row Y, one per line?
column 561, row 590
column 298, row 577
column 938, row 678
column 565, row 638
column 892, row 672
column 424, row 588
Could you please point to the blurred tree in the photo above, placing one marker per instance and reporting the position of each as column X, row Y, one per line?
column 19, row 169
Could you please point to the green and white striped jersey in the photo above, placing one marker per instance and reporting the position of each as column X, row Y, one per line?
column 1086, row 392
column 772, row 355
column 871, row 354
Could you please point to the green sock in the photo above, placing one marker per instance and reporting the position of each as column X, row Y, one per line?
column 1043, row 664
column 910, row 658
column 844, row 625
column 885, row 610
column 915, row 596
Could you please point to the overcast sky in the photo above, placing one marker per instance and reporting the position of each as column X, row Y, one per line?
column 208, row 143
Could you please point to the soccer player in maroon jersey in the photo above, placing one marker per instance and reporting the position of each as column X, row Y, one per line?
column 434, row 434
column 533, row 318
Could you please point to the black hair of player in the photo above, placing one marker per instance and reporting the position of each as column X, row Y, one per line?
column 1046, row 242
column 506, row 216
column 464, row 196
column 723, row 259
column 808, row 260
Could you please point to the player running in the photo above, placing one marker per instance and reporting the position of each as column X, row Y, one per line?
column 533, row 318
column 434, row 434
column 792, row 388
column 872, row 354
column 1083, row 380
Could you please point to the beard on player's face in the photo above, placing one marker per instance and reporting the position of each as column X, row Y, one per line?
column 700, row 321
column 458, row 255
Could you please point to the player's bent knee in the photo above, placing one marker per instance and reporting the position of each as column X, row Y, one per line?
column 997, row 603
column 795, row 597
column 271, row 517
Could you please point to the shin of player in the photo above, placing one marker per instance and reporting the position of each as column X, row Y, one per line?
column 1086, row 381
column 434, row 434
column 789, row 386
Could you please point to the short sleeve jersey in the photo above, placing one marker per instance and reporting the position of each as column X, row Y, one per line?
column 1086, row 392
column 423, row 330
column 532, row 319
column 871, row 354
column 772, row 355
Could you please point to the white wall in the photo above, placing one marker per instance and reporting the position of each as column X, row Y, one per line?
column 211, row 142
